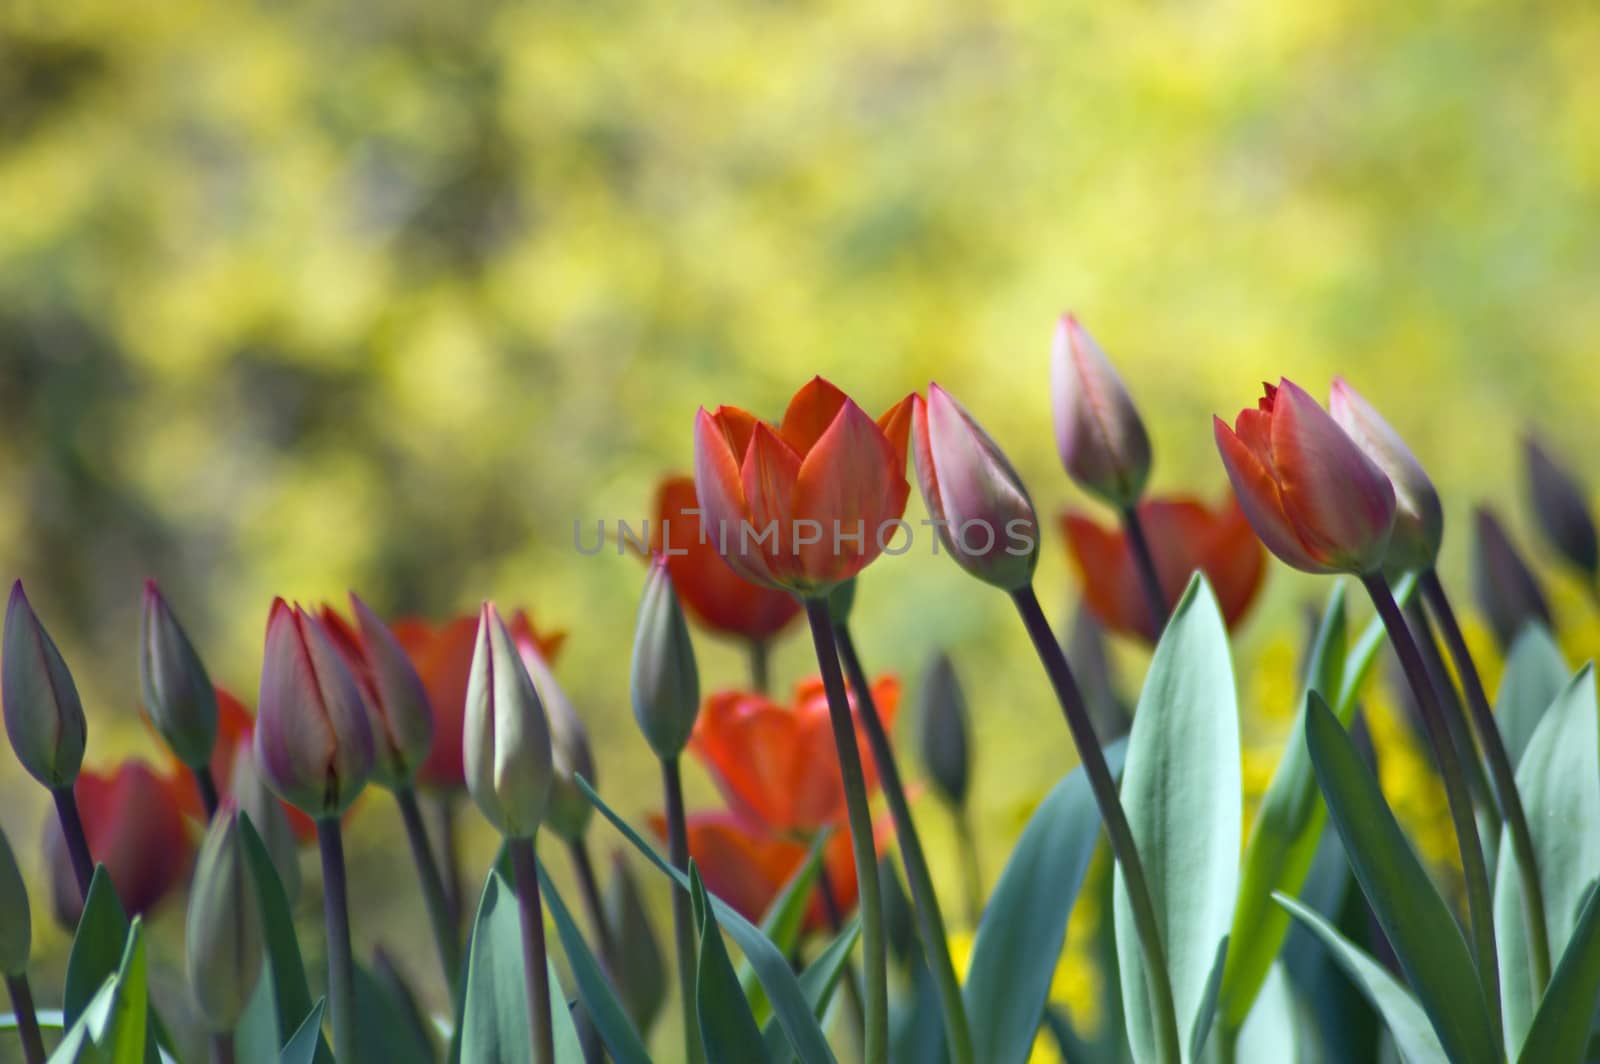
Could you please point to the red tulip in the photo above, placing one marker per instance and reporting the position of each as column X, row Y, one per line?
column 807, row 505
column 442, row 655
column 133, row 819
column 1184, row 535
column 778, row 766
column 747, row 867
column 1313, row 497
column 711, row 592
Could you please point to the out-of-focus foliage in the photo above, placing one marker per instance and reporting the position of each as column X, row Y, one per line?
column 307, row 296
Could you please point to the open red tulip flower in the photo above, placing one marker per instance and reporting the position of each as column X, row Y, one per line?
column 1315, row 499
column 442, row 655
column 747, row 867
column 808, row 504
column 711, row 592
column 1185, row 534
column 777, row 765
column 133, row 819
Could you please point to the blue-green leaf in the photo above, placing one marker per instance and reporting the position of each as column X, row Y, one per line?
column 1413, row 1033
column 1415, row 919
column 1208, row 1003
column 1271, row 1030
column 783, row 921
column 783, row 989
column 386, row 1026
column 1024, row 924
column 1283, row 839
column 818, row 981
column 1560, row 1031
column 307, row 1039
column 609, row 1017
column 119, row 1030
column 96, row 946
column 1536, row 672
column 1559, row 780
column 494, row 1016
column 731, row 1034
column 1183, row 795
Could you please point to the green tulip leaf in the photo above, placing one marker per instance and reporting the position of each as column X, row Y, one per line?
column 1560, row 1030
column 118, row 1024
column 97, row 946
column 1183, row 795
column 1413, row 1033
column 1413, row 916
column 386, row 1024
column 729, row 1030
column 1208, row 1003
column 1270, row 1031
column 495, row 1027
column 789, row 1003
column 282, row 998
column 1024, row 924
column 307, row 1040
column 1559, row 780
column 1536, row 672
column 783, row 921
column 819, row 981
column 594, row 989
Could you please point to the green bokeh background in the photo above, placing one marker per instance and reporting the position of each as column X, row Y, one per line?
column 303, row 297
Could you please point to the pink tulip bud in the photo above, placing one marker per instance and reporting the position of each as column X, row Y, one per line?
column 977, row 502
column 312, row 738
column 1313, row 497
column 1419, row 517
column 1102, row 441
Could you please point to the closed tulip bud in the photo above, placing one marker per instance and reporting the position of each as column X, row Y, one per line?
column 570, row 755
column 250, row 795
column 506, row 738
column 665, row 681
column 943, row 718
column 1102, row 441
column 1562, row 509
column 1419, row 517
column 392, row 692
column 16, row 920
column 312, row 740
column 44, row 718
column 177, row 692
column 977, row 502
column 1315, row 499
column 223, row 939
column 1508, row 593
column 641, row 972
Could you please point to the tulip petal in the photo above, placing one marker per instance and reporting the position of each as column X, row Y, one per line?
column 1337, row 498
column 852, row 484
column 978, row 483
column 927, row 472
column 770, row 470
column 896, row 424
column 810, row 412
column 720, row 490
column 1258, row 496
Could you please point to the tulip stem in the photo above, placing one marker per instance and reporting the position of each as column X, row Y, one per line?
column 760, row 665
column 1502, row 774
column 930, row 921
column 971, row 871
column 27, row 1018
column 682, row 914
column 1479, row 899
column 341, row 959
column 222, row 1047
column 445, row 940
column 525, row 869
column 1454, row 716
column 1118, row 833
column 589, row 884
column 208, row 789
column 1155, row 599
column 874, row 952
column 77, row 841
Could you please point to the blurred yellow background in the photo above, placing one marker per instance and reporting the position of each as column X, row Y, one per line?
column 303, row 297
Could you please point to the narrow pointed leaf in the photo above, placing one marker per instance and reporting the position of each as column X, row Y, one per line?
column 1024, row 924
column 307, row 1038
column 1536, row 672
column 729, row 1030
column 1413, row 916
column 1183, row 795
column 1560, row 1031
column 789, row 1003
column 783, row 921
column 96, row 946
column 122, row 1034
column 1412, row 1032
column 1559, row 780
column 819, row 981
column 384, row 1024
column 1208, row 1003
column 1271, row 1030
column 594, row 989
